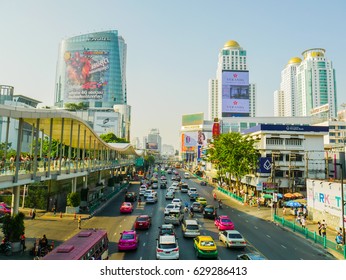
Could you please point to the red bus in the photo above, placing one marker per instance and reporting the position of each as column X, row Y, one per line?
column 85, row 245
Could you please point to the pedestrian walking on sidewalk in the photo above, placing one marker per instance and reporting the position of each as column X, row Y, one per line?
column 33, row 214
column 79, row 222
column 303, row 222
column 319, row 228
column 258, row 203
column 324, row 230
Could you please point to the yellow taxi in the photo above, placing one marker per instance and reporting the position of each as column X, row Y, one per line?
column 205, row 247
column 202, row 201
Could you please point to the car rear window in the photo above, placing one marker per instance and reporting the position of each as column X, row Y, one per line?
column 235, row 236
column 207, row 243
column 168, row 246
column 128, row 236
column 192, row 227
column 142, row 219
column 226, row 220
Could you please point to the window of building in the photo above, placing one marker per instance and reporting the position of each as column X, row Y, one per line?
column 294, row 142
column 274, row 141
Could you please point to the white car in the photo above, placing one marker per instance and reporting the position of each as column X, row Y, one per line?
column 175, row 184
column 232, row 239
column 167, row 248
column 148, row 193
column 191, row 190
column 177, row 201
column 169, row 195
column 142, row 190
column 171, row 189
column 151, row 199
column 187, row 175
column 170, row 207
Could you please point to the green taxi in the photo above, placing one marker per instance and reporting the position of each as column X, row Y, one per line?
column 205, row 247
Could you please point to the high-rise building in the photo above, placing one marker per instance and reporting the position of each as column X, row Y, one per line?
column 91, row 77
column 308, row 86
column 230, row 94
column 154, row 140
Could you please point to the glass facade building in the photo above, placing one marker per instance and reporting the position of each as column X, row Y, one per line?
column 91, row 69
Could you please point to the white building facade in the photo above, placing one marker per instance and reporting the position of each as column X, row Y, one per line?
column 306, row 84
column 232, row 58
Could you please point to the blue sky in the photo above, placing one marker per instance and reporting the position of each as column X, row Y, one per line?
column 172, row 48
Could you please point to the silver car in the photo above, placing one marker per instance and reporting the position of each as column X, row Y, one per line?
column 232, row 239
column 167, row 248
column 169, row 195
column 190, row 228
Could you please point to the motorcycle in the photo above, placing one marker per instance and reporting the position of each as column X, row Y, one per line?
column 203, row 183
column 220, row 203
column 6, row 248
column 191, row 214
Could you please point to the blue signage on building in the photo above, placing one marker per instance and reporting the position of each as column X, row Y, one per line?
column 265, row 165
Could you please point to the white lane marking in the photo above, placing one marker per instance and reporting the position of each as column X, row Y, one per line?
column 246, row 221
column 143, row 244
column 268, row 236
column 120, row 226
column 147, row 233
column 114, row 234
column 301, row 259
column 256, row 227
column 283, row 246
column 140, row 258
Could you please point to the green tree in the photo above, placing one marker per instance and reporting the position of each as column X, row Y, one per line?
column 235, row 154
column 148, row 161
column 13, row 226
column 110, row 137
column 73, row 199
column 75, row 106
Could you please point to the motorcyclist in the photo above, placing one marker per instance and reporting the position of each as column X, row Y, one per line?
column 220, row 203
column 214, row 195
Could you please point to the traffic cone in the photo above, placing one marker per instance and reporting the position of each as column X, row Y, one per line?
column 60, row 214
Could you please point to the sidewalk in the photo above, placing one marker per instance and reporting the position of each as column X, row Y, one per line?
column 266, row 213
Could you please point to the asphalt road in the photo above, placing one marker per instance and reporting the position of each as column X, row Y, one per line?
column 264, row 236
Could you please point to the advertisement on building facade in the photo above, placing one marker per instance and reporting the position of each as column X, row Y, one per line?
column 235, row 93
column 192, row 119
column 152, row 146
column 105, row 122
column 325, row 197
column 87, row 74
column 190, row 138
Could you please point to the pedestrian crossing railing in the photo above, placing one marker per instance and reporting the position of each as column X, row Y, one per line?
column 312, row 235
column 230, row 194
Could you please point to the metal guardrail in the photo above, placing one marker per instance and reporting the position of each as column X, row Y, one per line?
column 323, row 241
column 230, row 194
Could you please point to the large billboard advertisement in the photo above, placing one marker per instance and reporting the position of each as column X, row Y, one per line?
column 105, row 122
column 235, row 93
column 190, row 138
column 87, row 74
column 152, row 146
column 193, row 119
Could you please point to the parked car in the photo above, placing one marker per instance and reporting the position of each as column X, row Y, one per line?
column 190, row 228
column 251, row 256
column 128, row 240
column 167, row 248
column 143, row 222
column 224, row 223
column 126, row 207
column 130, row 197
column 205, row 247
column 209, row 212
column 232, row 239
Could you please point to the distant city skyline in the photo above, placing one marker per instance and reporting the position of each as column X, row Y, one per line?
column 172, row 49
